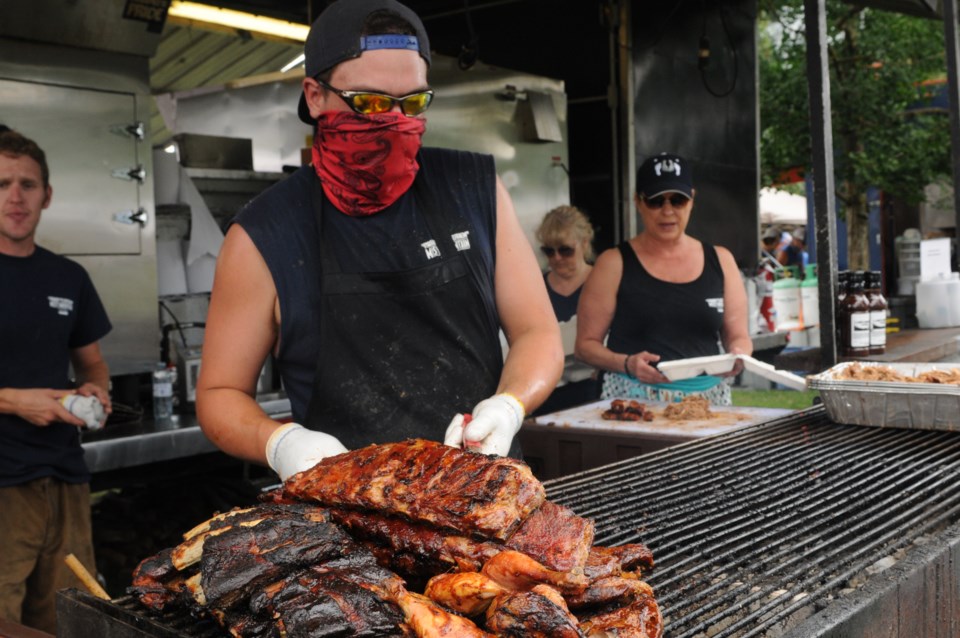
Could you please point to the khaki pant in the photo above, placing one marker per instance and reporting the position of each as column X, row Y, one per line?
column 40, row 523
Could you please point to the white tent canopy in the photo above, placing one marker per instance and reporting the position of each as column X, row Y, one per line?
column 782, row 208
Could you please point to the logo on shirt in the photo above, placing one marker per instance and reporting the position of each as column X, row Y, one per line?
column 461, row 240
column 62, row 306
column 431, row 248
column 716, row 303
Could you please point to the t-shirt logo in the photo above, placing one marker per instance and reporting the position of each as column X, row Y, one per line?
column 716, row 303
column 61, row 305
column 461, row 240
column 431, row 248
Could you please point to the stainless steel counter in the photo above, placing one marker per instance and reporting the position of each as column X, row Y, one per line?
column 132, row 444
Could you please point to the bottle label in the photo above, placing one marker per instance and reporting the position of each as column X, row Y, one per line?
column 860, row 330
column 163, row 389
column 878, row 328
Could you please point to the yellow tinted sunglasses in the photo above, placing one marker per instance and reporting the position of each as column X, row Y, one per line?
column 368, row 102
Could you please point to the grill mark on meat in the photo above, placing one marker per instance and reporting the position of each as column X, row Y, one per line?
column 425, row 481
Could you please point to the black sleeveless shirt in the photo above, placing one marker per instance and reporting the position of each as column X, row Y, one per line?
column 281, row 222
column 675, row 321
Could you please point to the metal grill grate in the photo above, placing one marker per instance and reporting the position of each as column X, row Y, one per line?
column 757, row 529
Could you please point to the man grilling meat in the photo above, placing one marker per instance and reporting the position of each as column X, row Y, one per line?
column 379, row 277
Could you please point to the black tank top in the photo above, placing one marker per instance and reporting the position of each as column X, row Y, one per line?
column 676, row 321
column 282, row 224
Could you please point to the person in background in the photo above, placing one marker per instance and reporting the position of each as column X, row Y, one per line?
column 795, row 253
column 566, row 240
column 52, row 318
column 380, row 276
column 767, row 269
column 661, row 296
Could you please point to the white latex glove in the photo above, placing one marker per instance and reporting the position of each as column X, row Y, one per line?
column 492, row 427
column 293, row 448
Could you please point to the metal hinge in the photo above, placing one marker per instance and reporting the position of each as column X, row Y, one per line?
column 137, row 173
column 138, row 216
column 136, row 130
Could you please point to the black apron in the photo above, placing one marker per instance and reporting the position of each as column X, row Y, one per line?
column 400, row 352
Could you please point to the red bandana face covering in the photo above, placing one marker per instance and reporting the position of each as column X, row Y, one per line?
column 366, row 162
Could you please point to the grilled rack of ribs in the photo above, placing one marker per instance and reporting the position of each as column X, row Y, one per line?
column 428, row 482
column 553, row 535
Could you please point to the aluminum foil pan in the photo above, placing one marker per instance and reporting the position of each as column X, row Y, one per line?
column 926, row 406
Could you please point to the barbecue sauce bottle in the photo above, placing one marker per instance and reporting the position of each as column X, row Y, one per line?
column 855, row 318
column 878, row 313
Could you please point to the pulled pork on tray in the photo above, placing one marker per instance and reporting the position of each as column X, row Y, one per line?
column 405, row 539
column 857, row 372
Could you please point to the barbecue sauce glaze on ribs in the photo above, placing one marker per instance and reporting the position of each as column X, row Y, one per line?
column 295, row 568
column 428, row 482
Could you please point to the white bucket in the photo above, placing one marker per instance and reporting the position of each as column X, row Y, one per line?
column 938, row 302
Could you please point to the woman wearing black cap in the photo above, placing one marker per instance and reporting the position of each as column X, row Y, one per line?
column 662, row 296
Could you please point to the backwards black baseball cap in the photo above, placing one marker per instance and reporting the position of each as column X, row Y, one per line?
column 336, row 36
column 664, row 173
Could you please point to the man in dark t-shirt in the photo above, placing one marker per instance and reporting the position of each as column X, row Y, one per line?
column 51, row 318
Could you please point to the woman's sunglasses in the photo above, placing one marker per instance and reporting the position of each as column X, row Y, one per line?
column 550, row 251
column 369, row 103
column 676, row 201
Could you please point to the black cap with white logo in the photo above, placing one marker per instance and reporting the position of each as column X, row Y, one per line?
column 664, row 173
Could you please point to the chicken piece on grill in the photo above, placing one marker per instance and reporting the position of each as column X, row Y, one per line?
column 467, row 593
column 609, row 590
column 320, row 601
column 426, row 481
column 537, row 613
column 242, row 559
column 519, row 572
column 429, row 620
column 639, row 619
column 612, row 561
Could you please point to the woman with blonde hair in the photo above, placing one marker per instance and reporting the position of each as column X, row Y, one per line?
column 566, row 240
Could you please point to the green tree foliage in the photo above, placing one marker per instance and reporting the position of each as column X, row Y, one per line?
column 883, row 136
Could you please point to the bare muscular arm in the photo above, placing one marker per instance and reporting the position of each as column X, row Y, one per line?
column 242, row 327
column 535, row 360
